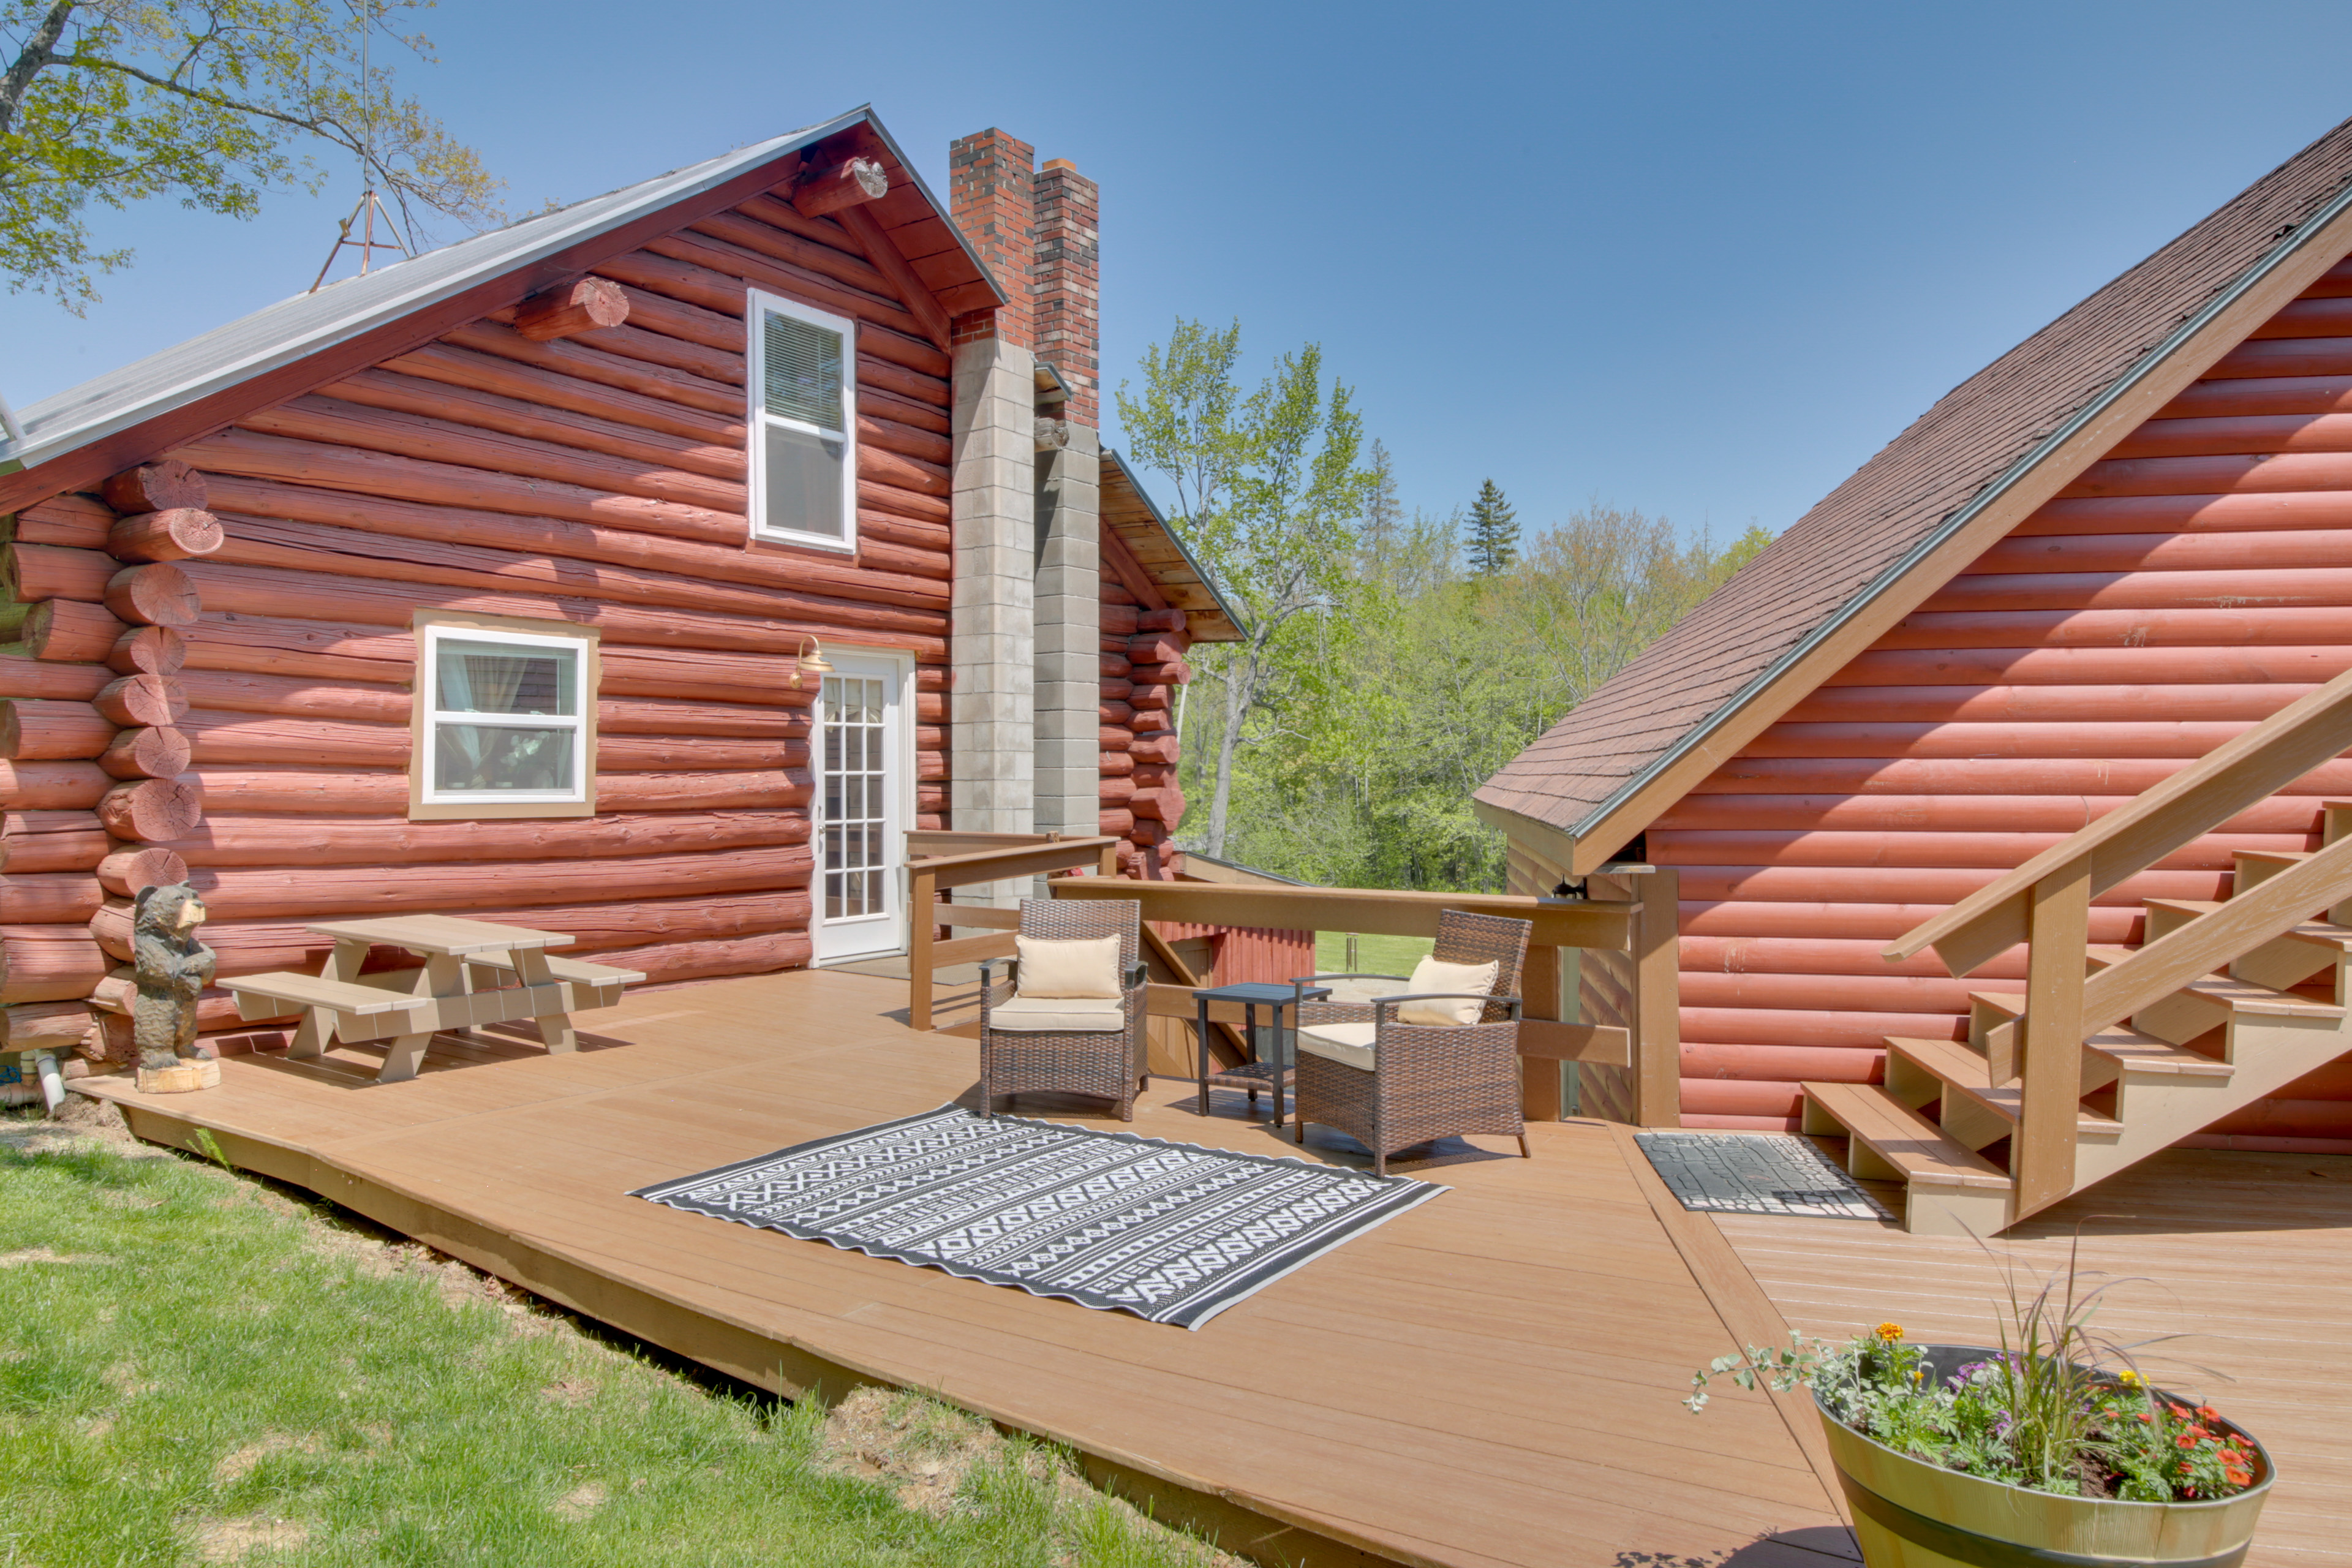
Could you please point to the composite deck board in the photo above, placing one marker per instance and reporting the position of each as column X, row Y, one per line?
column 1491, row 1378
column 2248, row 1256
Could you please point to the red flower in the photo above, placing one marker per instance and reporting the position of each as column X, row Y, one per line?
column 2184, row 1442
column 2238, row 1477
column 2208, row 1412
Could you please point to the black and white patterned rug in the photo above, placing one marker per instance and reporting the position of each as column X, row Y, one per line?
column 1167, row 1231
column 1756, row 1172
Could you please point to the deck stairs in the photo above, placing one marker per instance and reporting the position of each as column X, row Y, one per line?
column 1943, row 1122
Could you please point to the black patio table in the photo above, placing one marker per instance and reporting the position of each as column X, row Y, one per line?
column 1259, row 1075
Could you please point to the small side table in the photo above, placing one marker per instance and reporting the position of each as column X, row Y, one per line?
column 1259, row 1075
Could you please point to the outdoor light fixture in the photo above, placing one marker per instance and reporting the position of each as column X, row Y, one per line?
column 810, row 661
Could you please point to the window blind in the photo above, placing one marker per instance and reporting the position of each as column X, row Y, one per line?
column 801, row 366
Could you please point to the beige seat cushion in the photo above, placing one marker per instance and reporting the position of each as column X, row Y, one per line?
column 1434, row 974
column 1088, row 967
column 1058, row 1015
column 1350, row 1045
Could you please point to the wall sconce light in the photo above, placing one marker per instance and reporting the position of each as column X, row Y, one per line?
column 810, row 661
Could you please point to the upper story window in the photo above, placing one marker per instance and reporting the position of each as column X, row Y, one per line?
column 803, row 388
column 505, row 718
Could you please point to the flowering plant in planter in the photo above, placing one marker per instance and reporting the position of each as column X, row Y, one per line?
column 2057, row 1408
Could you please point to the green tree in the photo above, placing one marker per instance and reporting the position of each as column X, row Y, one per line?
column 1494, row 532
column 211, row 101
column 1383, row 517
column 1268, row 493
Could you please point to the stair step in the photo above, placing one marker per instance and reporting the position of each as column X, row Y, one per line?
column 1964, row 1070
column 2316, row 933
column 2227, row 991
column 2127, row 1048
column 1902, row 1138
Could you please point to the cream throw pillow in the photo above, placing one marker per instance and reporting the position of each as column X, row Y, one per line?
column 1067, row 969
column 1430, row 975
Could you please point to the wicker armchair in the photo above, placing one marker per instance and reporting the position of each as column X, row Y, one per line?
column 1391, row 1085
column 1084, row 1047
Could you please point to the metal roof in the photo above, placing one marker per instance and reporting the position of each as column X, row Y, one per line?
column 293, row 329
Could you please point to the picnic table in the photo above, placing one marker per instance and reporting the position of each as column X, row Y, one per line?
column 475, row 973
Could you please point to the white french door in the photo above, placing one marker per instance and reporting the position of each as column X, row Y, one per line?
column 863, row 749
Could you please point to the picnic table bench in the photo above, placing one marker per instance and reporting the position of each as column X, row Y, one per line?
column 476, row 973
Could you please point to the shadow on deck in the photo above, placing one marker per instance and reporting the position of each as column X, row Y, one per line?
column 1490, row 1378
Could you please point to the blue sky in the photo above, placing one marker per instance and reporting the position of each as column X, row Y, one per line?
column 1699, row 259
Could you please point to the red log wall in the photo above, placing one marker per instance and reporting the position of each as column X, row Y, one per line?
column 2192, row 583
column 598, row 480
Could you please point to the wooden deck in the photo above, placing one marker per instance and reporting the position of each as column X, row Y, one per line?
column 1491, row 1378
column 2248, row 1256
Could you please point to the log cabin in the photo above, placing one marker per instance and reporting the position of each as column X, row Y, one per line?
column 2110, row 552
column 484, row 582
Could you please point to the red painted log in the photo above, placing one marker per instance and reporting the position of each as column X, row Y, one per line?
column 1150, row 720
column 1951, row 813
column 1111, row 765
column 712, row 442
column 666, row 961
column 2000, row 851
column 1114, row 791
column 148, row 651
column 52, row 841
column 1177, row 673
column 142, row 700
column 1779, row 1064
column 2094, row 667
column 239, row 892
column 1114, row 738
column 157, row 595
column 2250, row 551
column 1826, row 955
column 1165, row 805
column 832, row 186
column 2148, row 738
column 70, row 633
column 57, row 1025
column 174, row 535
column 51, row 787
column 153, row 811
column 1113, row 712
column 1115, row 666
column 1116, row 823
column 1859, row 993
column 2285, row 626
column 154, row 487
column 1155, row 647
column 58, row 898
column 29, row 573
column 1912, row 885
column 1863, row 1032
column 262, row 840
column 2292, row 356
column 49, row 963
column 1150, row 696
column 1880, row 922
column 2319, row 587
column 127, row 870
column 1158, row 749
column 1988, row 775
column 79, row 522
column 579, row 307
column 595, row 364
column 33, row 728
column 158, row 752
column 59, row 682
column 1119, row 621
column 1164, row 621
column 2026, row 705
column 2244, row 396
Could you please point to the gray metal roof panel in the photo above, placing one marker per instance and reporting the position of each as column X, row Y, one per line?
column 292, row 329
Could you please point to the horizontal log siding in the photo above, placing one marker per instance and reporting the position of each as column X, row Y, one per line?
column 598, row 480
column 2190, row 585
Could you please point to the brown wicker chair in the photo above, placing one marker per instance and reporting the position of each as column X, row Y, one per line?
column 1103, row 1061
column 1393, row 1086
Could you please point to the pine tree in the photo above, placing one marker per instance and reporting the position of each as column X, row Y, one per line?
column 1493, row 541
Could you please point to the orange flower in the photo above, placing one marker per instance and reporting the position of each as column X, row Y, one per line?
column 2184, row 1442
column 2209, row 1413
column 1890, row 1332
column 2238, row 1477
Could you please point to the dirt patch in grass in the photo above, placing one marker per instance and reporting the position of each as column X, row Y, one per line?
column 235, row 1540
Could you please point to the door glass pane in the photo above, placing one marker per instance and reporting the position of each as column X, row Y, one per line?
column 856, row 795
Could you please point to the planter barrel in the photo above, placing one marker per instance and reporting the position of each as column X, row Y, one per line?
column 1911, row 1514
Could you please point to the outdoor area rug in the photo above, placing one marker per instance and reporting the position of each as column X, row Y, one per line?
column 1167, row 1231
column 1756, row 1172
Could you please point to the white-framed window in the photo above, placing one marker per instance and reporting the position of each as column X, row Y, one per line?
column 803, row 424
column 505, row 718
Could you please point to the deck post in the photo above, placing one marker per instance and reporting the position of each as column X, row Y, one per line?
column 2058, row 919
column 922, row 926
column 1539, row 1078
column 1657, row 1002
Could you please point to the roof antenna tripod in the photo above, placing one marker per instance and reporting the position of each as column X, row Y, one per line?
column 370, row 204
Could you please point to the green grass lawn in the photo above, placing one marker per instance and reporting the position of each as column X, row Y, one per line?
column 196, row 1367
column 1374, row 955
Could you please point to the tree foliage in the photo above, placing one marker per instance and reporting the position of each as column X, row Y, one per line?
column 1493, row 530
column 214, row 101
column 1269, row 494
column 1438, row 676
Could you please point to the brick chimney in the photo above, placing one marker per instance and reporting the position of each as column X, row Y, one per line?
column 990, row 186
column 1064, row 287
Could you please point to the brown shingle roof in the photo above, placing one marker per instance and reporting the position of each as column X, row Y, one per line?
column 1862, row 537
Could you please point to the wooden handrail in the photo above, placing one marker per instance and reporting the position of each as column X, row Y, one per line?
column 2271, row 908
column 2298, row 738
column 1559, row 923
column 1011, row 855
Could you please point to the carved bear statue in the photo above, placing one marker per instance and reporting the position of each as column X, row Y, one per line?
column 173, row 967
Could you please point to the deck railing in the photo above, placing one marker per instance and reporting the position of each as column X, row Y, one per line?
column 2045, row 904
column 1633, row 928
column 938, row 862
